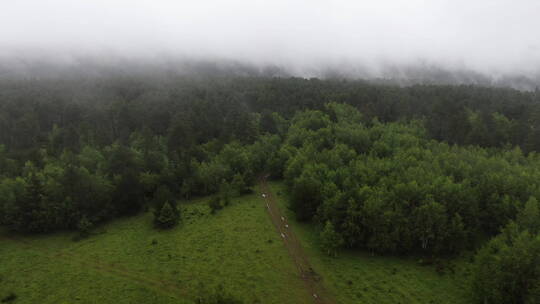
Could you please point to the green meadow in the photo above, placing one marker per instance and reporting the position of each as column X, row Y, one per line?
column 128, row 261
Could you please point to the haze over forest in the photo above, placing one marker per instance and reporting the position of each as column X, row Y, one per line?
column 286, row 151
column 481, row 42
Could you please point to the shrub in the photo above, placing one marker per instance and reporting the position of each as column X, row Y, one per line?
column 167, row 217
column 84, row 226
column 215, row 204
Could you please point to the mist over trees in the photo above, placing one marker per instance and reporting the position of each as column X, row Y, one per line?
column 71, row 66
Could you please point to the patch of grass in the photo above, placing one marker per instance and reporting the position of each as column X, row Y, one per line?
column 237, row 248
column 359, row 277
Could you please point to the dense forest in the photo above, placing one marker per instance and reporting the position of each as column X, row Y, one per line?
column 429, row 170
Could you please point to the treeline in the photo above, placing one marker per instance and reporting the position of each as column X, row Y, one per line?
column 67, row 190
column 390, row 189
column 95, row 148
column 106, row 109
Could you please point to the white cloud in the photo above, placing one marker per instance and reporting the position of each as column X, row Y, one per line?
column 485, row 35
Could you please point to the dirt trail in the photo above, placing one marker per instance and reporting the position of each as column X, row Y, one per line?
column 312, row 280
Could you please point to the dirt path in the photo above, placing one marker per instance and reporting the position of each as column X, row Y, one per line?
column 312, row 280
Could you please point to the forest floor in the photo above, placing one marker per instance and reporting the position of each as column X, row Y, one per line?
column 311, row 278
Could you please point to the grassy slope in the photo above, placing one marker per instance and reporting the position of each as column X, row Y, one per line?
column 237, row 248
column 356, row 277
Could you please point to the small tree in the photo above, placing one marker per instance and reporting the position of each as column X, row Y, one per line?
column 84, row 226
column 331, row 240
column 168, row 217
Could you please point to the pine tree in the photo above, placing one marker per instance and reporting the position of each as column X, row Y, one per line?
column 168, row 217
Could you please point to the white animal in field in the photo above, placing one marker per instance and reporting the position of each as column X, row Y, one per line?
column 282, row 219
column 282, row 235
column 264, row 195
column 315, row 295
column 286, row 226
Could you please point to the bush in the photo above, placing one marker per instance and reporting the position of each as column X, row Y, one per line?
column 84, row 226
column 215, row 204
column 167, row 217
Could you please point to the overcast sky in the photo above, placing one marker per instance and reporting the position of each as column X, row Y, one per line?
column 499, row 36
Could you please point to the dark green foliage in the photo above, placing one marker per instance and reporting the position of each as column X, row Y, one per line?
column 166, row 211
column 330, row 239
column 306, row 195
column 128, row 195
column 84, row 226
column 167, row 217
column 215, row 204
column 163, row 195
column 238, row 186
column 396, row 191
column 529, row 216
column 507, row 269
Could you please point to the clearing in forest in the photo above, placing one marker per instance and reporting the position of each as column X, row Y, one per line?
column 131, row 262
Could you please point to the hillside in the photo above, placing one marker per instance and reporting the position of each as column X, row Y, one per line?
column 236, row 248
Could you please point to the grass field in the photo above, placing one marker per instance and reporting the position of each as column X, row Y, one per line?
column 358, row 277
column 130, row 262
column 237, row 248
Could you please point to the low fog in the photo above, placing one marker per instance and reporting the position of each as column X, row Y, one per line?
column 483, row 41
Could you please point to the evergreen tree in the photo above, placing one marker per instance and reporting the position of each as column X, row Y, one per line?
column 168, row 217
column 331, row 240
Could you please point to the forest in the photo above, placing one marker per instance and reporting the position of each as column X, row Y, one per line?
column 426, row 170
